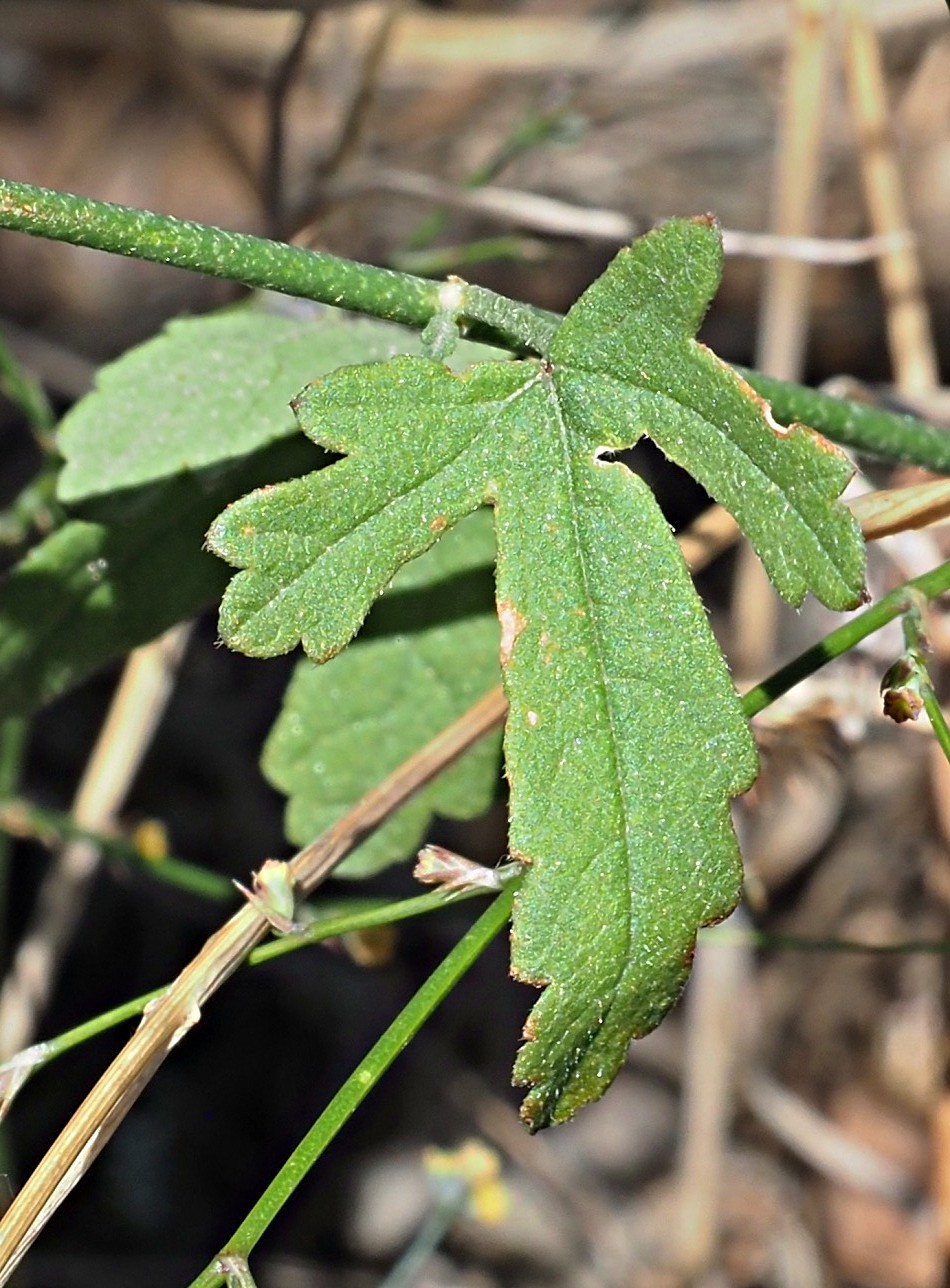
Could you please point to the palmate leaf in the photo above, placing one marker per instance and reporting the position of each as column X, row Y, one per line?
column 625, row 739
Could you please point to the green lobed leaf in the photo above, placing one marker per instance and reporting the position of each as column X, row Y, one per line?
column 631, row 366
column 428, row 652
column 173, row 430
column 625, row 739
column 210, row 389
column 102, row 585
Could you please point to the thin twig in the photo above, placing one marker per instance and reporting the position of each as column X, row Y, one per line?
column 125, row 736
column 21, row 818
column 196, row 84
column 785, row 305
column 840, row 251
column 278, row 92
column 822, row 1144
column 783, row 324
column 353, row 123
column 527, row 209
column 179, row 1008
column 354, row 120
column 559, row 218
column 715, row 1019
column 908, row 324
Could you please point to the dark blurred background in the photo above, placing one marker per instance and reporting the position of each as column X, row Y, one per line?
column 422, row 137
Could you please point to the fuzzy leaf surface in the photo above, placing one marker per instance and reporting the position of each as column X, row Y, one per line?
column 210, row 389
column 173, row 430
column 625, row 739
column 428, row 652
column 133, row 566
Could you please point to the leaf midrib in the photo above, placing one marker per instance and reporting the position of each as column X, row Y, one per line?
column 564, row 442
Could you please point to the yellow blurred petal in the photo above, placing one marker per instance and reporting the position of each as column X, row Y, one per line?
column 151, row 840
column 479, row 1168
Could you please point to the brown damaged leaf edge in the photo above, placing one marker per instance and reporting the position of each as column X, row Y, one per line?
column 512, row 624
column 780, row 430
column 708, row 220
column 530, row 1111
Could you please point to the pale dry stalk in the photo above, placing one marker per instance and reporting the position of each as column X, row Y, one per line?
column 133, row 715
column 179, row 1008
column 910, row 338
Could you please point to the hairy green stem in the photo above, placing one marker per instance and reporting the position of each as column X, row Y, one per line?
column 362, row 1080
column 931, row 584
column 860, row 425
column 413, row 301
column 258, row 262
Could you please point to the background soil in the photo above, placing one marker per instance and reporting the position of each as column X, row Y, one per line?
column 786, row 1125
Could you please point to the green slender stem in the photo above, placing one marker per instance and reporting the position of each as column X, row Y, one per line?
column 938, row 721
column 33, row 510
column 258, row 262
column 909, row 678
column 26, row 394
column 19, row 817
column 35, row 507
column 390, row 913
column 237, row 1273
column 931, row 584
column 366, row 1075
column 413, row 301
column 13, row 734
column 405, row 1273
column 333, row 923
column 854, row 424
column 528, row 133
column 450, row 259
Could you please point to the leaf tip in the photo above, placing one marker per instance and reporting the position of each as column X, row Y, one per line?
column 708, row 220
